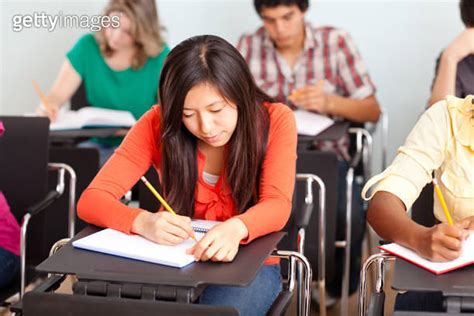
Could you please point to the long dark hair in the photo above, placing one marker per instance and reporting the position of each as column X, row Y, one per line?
column 210, row 59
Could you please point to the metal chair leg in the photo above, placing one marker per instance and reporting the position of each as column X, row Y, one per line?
column 293, row 256
column 379, row 259
column 321, row 275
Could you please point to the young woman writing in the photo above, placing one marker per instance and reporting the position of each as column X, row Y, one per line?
column 223, row 151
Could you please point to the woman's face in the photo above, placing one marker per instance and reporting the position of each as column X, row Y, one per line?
column 209, row 116
column 120, row 38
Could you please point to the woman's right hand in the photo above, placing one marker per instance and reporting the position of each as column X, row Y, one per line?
column 66, row 84
column 442, row 242
column 163, row 227
column 51, row 111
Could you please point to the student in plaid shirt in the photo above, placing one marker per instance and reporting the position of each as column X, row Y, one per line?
column 321, row 70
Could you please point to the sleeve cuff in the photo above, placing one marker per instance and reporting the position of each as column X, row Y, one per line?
column 399, row 186
column 363, row 92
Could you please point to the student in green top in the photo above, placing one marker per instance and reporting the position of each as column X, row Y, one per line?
column 119, row 66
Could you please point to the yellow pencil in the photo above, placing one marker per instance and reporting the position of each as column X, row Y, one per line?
column 442, row 201
column 41, row 95
column 161, row 199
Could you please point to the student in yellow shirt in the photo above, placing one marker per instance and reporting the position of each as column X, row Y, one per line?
column 442, row 142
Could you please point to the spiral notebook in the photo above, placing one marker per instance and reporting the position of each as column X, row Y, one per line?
column 466, row 258
column 116, row 243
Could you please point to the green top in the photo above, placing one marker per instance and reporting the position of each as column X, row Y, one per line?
column 130, row 90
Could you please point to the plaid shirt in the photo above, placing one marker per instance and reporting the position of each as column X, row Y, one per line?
column 328, row 53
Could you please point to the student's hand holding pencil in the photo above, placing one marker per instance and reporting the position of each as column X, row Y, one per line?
column 46, row 107
column 51, row 112
column 163, row 227
column 221, row 243
column 312, row 98
column 442, row 242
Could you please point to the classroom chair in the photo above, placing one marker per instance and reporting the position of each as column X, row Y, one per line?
column 24, row 182
column 421, row 213
column 85, row 162
column 79, row 98
column 362, row 147
column 371, row 237
column 300, row 271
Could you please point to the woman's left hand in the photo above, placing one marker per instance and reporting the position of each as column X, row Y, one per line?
column 221, row 243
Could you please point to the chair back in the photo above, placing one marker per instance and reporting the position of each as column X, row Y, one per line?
column 85, row 162
column 79, row 98
column 24, row 172
column 324, row 165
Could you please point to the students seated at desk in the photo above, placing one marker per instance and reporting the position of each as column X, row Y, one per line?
column 317, row 69
column 441, row 142
column 119, row 65
column 454, row 73
column 223, row 151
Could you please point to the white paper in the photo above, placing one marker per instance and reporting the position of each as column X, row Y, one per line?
column 311, row 124
column 136, row 247
column 466, row 258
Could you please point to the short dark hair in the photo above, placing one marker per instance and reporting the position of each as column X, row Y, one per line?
column 259, row 4
column 467, row 12
column 211, row 59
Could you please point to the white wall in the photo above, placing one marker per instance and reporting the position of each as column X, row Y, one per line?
column 399, row 41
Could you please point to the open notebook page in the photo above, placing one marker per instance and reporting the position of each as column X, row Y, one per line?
column 116, row 243
column 92, row 117
column 466, row 258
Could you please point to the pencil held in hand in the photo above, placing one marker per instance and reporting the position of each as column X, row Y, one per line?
column 41, row 95
column 45, row 108
column 161, row 199
column 442, row 201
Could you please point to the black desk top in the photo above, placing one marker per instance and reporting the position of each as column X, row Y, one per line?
column 333, row 132
column 407, row 276
column 97, row 266
column 62, row 135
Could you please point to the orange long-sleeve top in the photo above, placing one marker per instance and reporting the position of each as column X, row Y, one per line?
column 99, row 204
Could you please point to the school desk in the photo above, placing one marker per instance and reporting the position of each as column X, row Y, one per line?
column 104, row 276
column 457, row 286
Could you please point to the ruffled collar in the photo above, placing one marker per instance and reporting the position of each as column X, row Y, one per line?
column 217, row 199
column 462, row 112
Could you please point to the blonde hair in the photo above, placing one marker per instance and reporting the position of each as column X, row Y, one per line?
column 146, row 29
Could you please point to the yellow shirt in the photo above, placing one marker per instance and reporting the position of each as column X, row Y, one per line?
column 441, row 141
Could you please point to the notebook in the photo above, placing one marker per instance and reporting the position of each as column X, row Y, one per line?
column 466, row 258
column 92, row 117
column 116, row 243
column 311, row 124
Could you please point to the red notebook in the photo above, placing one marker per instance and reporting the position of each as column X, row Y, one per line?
column 466, row 258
